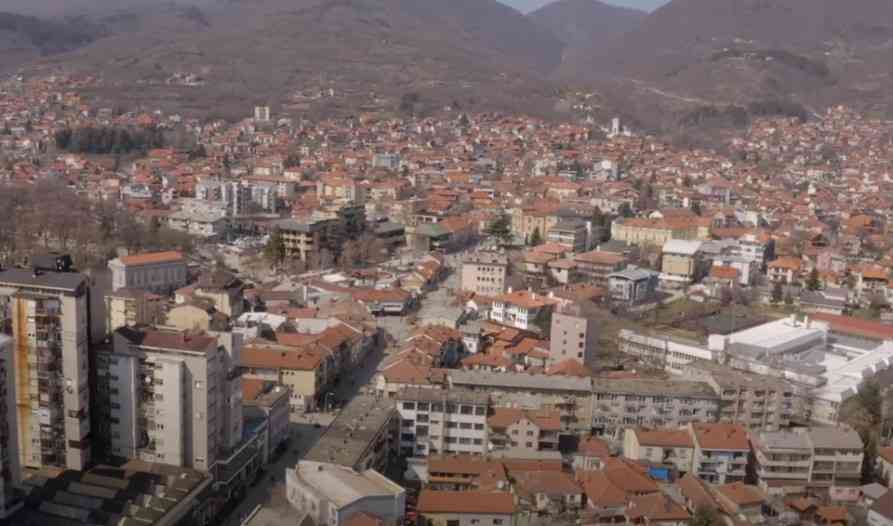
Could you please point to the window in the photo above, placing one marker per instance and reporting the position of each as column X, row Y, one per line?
column 464, row 425
column 409, row 406
column 422, row 418
column 467, row 410
column 477, row 441
column 497, row 522
column 465, row 441
column 452, row 425
column 479, row 427
column 480, row 410
column 528, row 444
column 423, row 406
column 452, row 523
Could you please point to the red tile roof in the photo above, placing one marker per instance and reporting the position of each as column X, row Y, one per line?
column 151, row 258
column 431, row 501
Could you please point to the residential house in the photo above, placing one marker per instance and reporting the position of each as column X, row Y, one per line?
column 662, row 447
column 523, row 310
column 515, row 429
column 548, row 491
column 466, row 508
column 784, row 270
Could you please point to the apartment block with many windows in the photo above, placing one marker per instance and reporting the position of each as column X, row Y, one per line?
column 169, row 397
column 48, row 315
column 434, row 421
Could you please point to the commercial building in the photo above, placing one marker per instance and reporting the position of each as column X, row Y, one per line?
column 362, row 436
column 466, row 508
column 573, row 335
column 333, row 494
column 484, row 273
column 168, row 397
column 633, row 286
column 438, row 421
column 10, row 469
column 159, row 272
column 48, row 313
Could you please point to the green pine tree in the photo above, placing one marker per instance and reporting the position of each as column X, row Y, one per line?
column 275, row 249
column 501, row 229
column 777, row 292
column 536, row 238
column 813, row 282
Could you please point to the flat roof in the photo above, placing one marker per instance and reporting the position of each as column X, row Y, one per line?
column 648, row 387
column 342, row 485
column 64, row 281
column 459, row 395
column 351, row 433
column 144, row 491
column 538, row 382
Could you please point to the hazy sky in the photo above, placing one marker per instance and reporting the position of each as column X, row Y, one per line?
column 529, row 5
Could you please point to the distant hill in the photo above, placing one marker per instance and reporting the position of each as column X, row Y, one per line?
column 585, row 25
column 253, row 50
column 25, row 38
column 696, row 52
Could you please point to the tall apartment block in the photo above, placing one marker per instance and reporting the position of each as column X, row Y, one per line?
column 168, row 396
column 47, row 314
column 10, row 472
column 573, row 335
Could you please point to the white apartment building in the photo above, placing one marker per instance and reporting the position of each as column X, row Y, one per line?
column 170, row 397
column 521, row 309
column 49, row 315
column 484, row 273
column 330, row 494
column 159, row 272
column 435, row 421
column 10, row 471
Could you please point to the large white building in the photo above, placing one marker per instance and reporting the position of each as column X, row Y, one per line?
column 435, row 421
column 169, row 397
column 330, row 494
column 160, row 272
column 49, row 313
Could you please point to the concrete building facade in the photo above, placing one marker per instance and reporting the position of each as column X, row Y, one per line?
column 484, row 273
column 169, row 397
column 48, row 313
column 435, row 421
column 160, row 272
